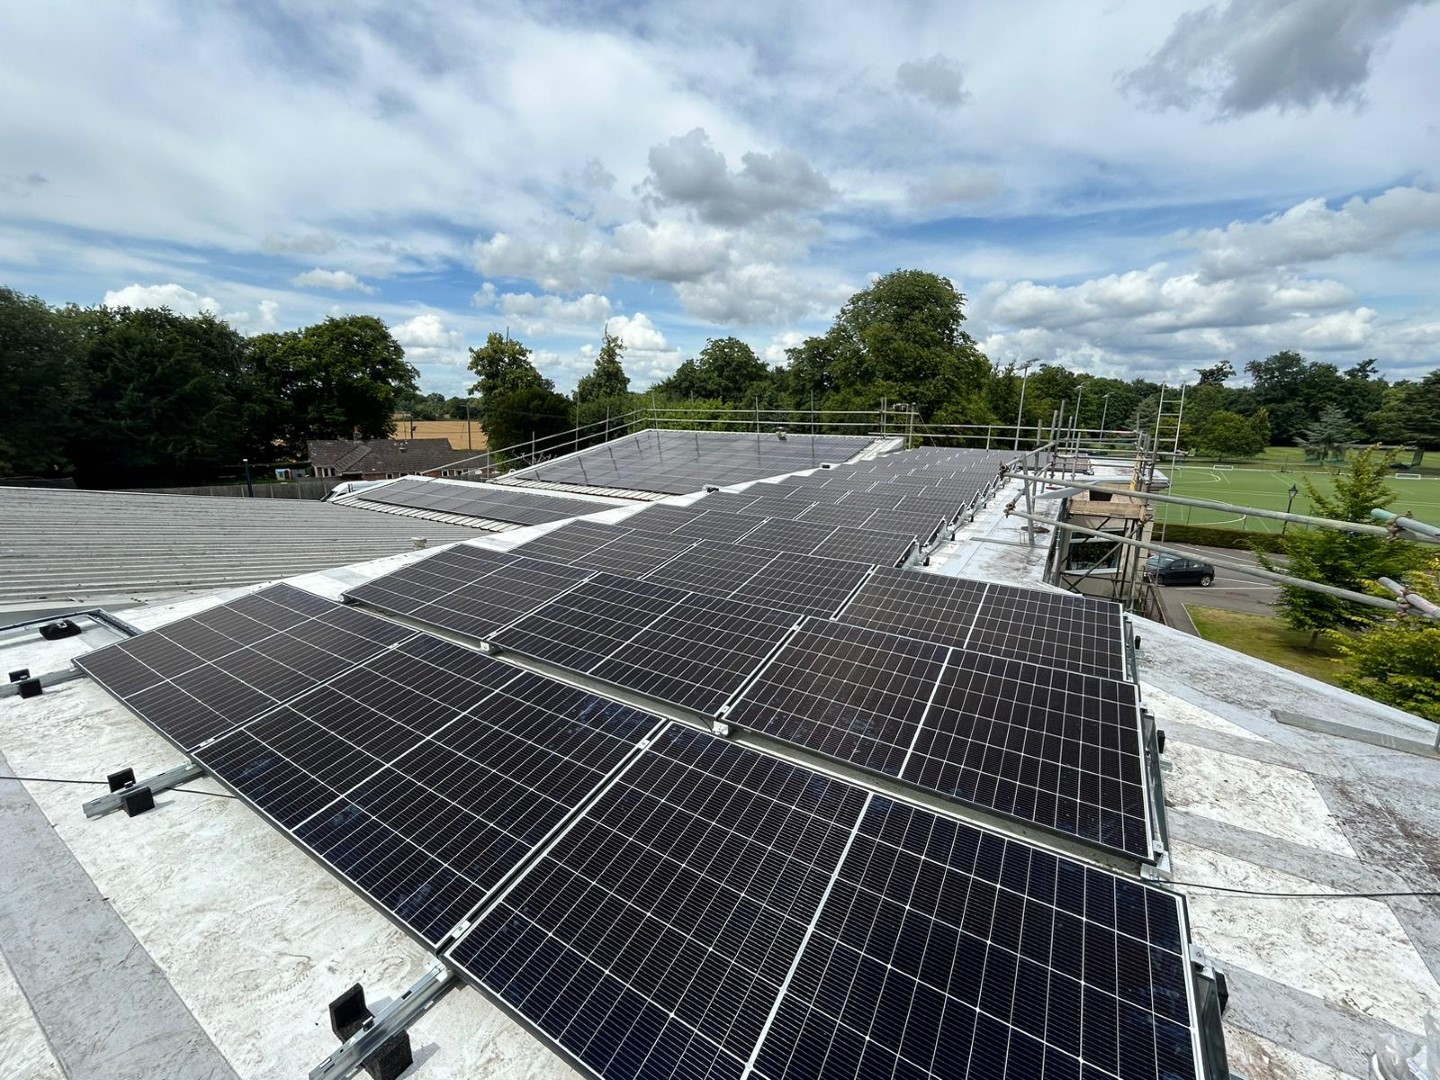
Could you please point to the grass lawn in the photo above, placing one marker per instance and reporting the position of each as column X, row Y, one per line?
column 1265, row 638
column 1256, row 485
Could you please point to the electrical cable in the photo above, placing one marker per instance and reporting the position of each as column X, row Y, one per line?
column 105, row 783
column 1301, row 895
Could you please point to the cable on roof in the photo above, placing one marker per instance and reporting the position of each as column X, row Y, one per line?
column 1302, row 895
column 104, row 783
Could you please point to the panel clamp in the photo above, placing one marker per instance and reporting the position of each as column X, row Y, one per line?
column 379, row 1042
column 125, row 792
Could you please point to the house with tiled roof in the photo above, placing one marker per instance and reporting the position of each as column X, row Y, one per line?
column 385, row 459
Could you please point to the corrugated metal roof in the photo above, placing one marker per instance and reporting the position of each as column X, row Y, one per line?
column 83, row 546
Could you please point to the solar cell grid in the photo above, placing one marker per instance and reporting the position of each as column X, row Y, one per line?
column 196, row 678
column 1053, row 748
column 517, row 506
column 845, row 692
column 424, row 782
column 945, row 952
column 473, row 591
column 673, row 645
column 570, row 542
column 653, row 938
column 805, row 584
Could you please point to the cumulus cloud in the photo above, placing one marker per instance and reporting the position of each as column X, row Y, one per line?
column 427, row 331
column 177, row 298
column 1257, row 54
column 1311, row 232
column 334, row 280
column 547, row 314
column 688, row 172
column 940, row 80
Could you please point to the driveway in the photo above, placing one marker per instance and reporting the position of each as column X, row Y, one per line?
column 1230, row 590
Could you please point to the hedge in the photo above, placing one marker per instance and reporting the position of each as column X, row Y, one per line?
column 1212, row 536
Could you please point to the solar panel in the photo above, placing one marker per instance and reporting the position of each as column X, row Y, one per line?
column 719, row 913
column 198, row 677
column 1051, row 748
column 813, row 538
column 490, row 502
column 1054, row 629
column 469, row 590
column 651, row 939
column 693, row 521
column 942, row 951
column 426, row 807
column 675, row 462
column 675, row 646
column 846, row 692
column 1057, row 748
column 570, row 542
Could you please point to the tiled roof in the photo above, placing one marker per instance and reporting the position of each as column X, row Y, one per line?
column 386, row 455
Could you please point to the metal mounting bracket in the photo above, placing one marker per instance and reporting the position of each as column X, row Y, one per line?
column 49, row 679
column 181, row 774
column 385, row 1025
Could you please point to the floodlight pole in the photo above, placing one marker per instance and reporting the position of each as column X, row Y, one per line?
column 1104, row 412
column 249, row 487
column 1019, row 415
column 1294, row 490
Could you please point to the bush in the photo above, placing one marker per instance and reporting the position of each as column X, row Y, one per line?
column 1213, row 536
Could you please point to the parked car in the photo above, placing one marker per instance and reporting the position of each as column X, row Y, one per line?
column 1177, row 570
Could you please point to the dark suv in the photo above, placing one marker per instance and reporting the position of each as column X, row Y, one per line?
column 1177, row 570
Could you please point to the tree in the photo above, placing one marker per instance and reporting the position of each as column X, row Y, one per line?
column 164, row 397
column 1329, row 436
column 1295, row 390
column 38, row 385
column 332, row 380
column 1397, row 661
column 1227, row 434
column 1334, row 557
column 1410, row 412
column 1216, row 374
column 607, row 379
column 518, row 405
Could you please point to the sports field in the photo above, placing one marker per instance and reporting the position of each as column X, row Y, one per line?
column 1270, row 490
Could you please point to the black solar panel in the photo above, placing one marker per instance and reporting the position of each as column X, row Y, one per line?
column 570, row 542
column 835, row 542
column 491, row 502
column 675, row 462
column 802, row 584
column 846, row 692
column 199, row 677
column 1062, row 630
column 945, row 952
column 612, row 548
column 1052, row 748
column 675, row 646
column 693, row 521
column 469, row 590
column 652, row 939
column 720, row 913
column 425, row 807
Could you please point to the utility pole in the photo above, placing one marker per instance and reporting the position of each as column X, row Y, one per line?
column 1104, row 412
column 249, row 487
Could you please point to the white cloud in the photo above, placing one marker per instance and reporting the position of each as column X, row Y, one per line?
column 774, row 353
column 1311, row 232
column 1256, row 54
column 333, row 280
column 426, row 331
column 175, row 297
column 300, row 244
column 689, row 172
column 954, row 184
column 547, row 314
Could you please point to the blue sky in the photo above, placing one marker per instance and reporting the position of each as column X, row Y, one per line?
column 1132, row 187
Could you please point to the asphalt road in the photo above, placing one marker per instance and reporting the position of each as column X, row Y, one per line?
column 1230, row 590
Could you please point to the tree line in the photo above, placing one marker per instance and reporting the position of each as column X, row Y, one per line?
column 902, row 340
column 124, row 397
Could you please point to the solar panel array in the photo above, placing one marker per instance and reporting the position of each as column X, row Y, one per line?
column 676, row 462
column 669, row 644
column 1049, row 747
column 613, row 548
column 1065, row 630
column 660, row 902
column 717, row 912
column 481, row 501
